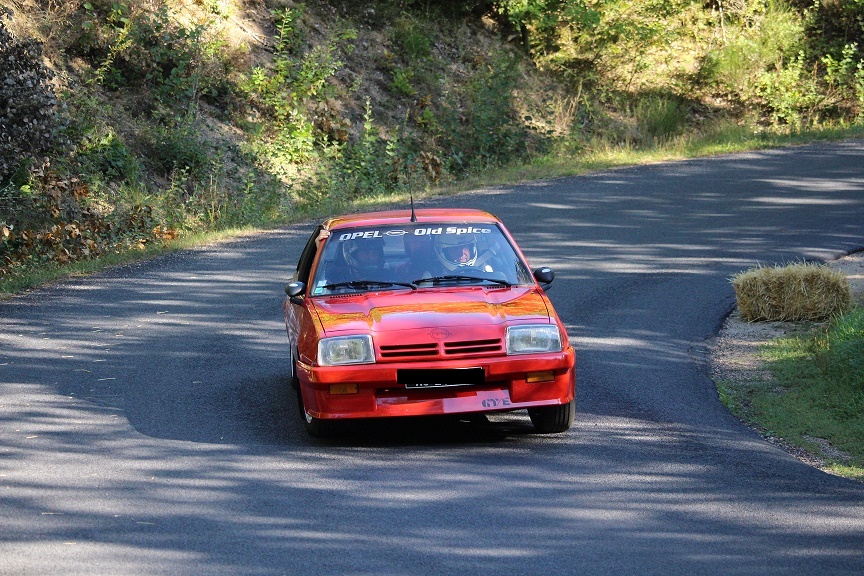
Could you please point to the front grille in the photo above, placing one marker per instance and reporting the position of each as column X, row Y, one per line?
column 409, row 350
column 472, row 347
column 431, row 350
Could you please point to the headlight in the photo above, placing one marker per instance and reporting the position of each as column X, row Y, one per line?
column 533, row 338
column 345, row 350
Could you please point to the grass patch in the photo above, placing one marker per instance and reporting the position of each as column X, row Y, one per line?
column 815, row 400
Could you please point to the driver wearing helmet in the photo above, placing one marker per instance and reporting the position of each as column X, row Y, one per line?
column 364, row 257
column 458, row 251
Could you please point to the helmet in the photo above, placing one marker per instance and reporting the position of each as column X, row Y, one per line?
column 364, row 254
column 456, row 250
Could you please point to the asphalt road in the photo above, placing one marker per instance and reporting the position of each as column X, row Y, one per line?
column 145, row 425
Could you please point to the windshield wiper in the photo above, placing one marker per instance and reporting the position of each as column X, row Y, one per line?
column 461, row 278
column 367, row 284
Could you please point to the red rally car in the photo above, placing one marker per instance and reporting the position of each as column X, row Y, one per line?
column 427, row 312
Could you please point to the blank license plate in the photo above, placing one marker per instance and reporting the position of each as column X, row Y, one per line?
column 441, row 378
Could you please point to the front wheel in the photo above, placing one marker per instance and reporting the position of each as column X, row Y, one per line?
column 314, row 426
column 293, row 380
column 553, row 419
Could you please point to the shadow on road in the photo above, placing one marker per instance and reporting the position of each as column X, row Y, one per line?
column 146, row 416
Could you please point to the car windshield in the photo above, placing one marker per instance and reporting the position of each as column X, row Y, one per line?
column 417, row 255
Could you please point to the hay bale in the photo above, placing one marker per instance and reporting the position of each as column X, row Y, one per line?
column 805, row 291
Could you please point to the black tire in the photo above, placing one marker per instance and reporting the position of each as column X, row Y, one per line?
column 292, row 377
column 553, row 419
column 314, row 426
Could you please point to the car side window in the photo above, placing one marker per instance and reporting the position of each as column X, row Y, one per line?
column 304, row 265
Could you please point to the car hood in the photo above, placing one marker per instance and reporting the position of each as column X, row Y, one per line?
column 436, row 308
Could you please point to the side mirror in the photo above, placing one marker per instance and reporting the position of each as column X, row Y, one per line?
column 544, row 276
column 294, row 290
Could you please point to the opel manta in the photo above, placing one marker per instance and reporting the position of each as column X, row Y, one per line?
column 432, row 312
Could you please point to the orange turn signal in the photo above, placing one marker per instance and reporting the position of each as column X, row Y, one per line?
column 344, row 389
column 534, row 377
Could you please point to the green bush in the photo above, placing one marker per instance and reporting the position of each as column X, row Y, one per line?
column 660, row 117
column 831, row 26
column 481, row 125
column 131, row 45
column 167, row 148
column 844, row 79
column 290, row 93
column 106, row 156
column 797, row 68
column 401, row 83
column 756, row 39
column 411, row 39
column 362, row 169
column 790, row 94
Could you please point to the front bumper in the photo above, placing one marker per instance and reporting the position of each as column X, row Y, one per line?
column 506, row 387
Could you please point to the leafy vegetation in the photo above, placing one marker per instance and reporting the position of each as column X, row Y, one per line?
column 128, row 125
column 816, row 399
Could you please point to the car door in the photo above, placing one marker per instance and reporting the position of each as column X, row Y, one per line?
column 297, row 314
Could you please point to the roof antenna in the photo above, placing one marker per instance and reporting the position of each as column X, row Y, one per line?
column 413, row 214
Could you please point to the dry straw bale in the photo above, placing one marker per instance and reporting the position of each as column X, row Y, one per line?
column 804, row 291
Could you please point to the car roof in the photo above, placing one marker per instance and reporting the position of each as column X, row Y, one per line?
column 455, row 215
